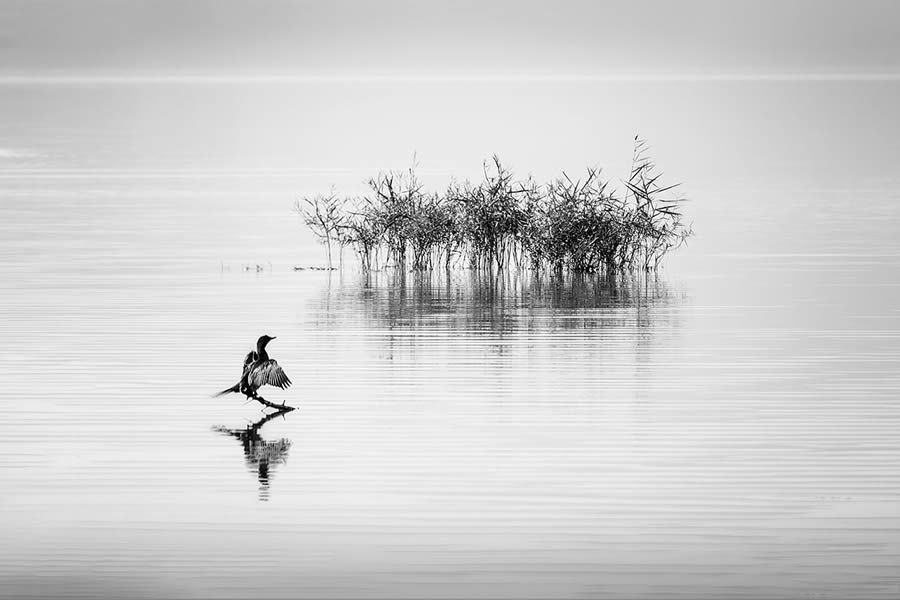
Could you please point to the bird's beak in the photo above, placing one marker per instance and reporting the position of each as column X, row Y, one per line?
column 273, row 337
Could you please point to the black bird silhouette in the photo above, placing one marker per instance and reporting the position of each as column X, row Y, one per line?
column 260, row 370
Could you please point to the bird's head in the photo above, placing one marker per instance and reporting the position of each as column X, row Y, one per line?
column 263, row 340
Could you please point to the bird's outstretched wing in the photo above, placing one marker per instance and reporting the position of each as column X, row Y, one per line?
column 268, row 372
column 249, row 360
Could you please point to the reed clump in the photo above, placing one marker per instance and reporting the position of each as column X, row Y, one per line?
column 502, row 222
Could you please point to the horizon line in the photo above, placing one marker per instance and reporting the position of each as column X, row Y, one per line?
column 112, row 79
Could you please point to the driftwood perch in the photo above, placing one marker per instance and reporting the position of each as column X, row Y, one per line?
column 281, row 408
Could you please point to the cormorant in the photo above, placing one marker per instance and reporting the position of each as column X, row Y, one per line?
column 259, row 370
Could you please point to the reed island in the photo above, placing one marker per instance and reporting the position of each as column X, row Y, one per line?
column 576, row 224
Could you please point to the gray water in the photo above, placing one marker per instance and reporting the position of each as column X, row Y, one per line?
column 725, row 428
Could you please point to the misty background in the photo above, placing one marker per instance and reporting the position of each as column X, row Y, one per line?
column 736, row 99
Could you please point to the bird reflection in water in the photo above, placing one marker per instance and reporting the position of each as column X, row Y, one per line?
column 262, row 456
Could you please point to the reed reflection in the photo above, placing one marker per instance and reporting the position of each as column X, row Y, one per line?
column 494, row 303
column 261, row 456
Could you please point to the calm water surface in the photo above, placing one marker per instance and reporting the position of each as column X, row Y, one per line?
column 726, row 429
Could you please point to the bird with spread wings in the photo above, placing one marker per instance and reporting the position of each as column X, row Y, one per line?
column 260, row 370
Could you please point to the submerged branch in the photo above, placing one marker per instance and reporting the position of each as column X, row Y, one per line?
column 281, row 408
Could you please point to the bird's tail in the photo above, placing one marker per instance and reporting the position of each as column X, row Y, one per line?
column 232, row 390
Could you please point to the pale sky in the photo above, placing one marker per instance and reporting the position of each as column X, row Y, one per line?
column 228, row 38
column 703, row 132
